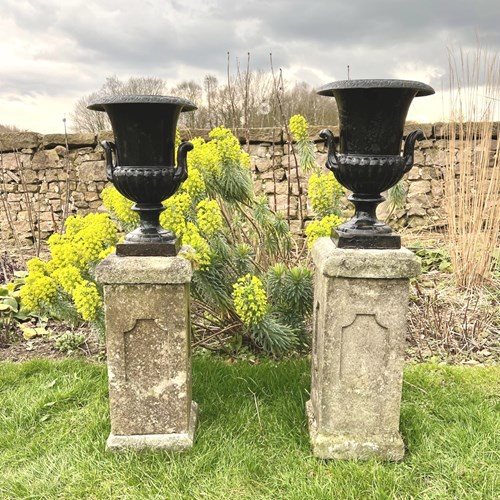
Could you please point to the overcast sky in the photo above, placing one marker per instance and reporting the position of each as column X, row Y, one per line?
column 53, row 51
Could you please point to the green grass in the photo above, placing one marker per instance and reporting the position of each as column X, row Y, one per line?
column 252, row 439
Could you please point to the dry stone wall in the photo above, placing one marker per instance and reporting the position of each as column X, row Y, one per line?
column 44, row 177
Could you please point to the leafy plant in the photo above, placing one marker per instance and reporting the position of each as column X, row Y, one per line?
column 324, row 191
column 63, row 287
column 10, row 306
column 69, row 342
column 396, row 196
column 434, row 259
column 232, row 238
column 291, row 293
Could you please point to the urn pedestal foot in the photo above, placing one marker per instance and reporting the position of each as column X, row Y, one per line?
column 367, row 241
column 359, row 327
column 169, row 249
column 364, row 230
column 146, row 303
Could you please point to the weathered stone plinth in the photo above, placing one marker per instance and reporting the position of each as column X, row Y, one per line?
column 360, row 304
column 146, row 301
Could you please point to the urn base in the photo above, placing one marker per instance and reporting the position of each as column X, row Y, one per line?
column 364, row 230
column 149, row 239
column 168, row 249
column 371, row 240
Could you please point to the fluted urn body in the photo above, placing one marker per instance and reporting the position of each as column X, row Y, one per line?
column 368, row 160
column 141, row 163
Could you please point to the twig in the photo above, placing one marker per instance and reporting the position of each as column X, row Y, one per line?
column 68, row 171
column 29, row 207
column 231, row 93
column 291, row 149
column 219, row 332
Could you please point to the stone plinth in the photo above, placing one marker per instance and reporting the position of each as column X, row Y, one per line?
column 360, row 304
column 146, row 301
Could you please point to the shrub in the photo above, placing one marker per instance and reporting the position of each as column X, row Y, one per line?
column 324, row 191
column 232, row 238
column 472, row 171
column 69, row 342
column 63, row 286
column 10, row 306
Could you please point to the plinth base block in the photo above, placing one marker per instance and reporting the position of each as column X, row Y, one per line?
column 353, row 447
column 168, row 442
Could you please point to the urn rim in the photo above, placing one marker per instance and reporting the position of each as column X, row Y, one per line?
column 422, row 89
column 100, row 102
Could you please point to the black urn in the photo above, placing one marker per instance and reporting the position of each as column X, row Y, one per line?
column 140, row 163
column 368, row 160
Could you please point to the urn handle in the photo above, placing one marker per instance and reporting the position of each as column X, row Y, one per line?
column 331, row 162
column 409, row 148
column 181, row 174
column 109, row 147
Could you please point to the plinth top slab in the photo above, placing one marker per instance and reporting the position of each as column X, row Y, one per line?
column 143, row 270
column 361, row 263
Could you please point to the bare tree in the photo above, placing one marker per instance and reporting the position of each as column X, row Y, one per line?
column 85, row 120
column 247, row 99
column 192, row 91
column 9, row 128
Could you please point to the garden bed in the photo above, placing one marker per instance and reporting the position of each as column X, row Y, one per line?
column 445, row 325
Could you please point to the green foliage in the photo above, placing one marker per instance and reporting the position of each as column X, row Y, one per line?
column 275, row 233
column 396, row 196
column 291, row 295
column 232, row 238
column 10, row 301
column 63, row 287
column 212, row 286
column 434, row 259
column 273, row 335
column 69, row 342
column 242, row 259
column 324, row 191
column 11, row 311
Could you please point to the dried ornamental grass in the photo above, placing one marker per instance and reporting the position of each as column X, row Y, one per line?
column 472, row 180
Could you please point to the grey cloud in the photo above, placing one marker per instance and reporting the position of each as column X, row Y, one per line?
column 159, row 37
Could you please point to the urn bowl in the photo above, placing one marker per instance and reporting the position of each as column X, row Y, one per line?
column 141, row 161
column 368, row 159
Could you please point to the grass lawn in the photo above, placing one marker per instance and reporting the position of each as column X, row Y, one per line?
column 252, row 439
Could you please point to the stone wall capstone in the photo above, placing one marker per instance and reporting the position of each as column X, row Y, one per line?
column 45, row 177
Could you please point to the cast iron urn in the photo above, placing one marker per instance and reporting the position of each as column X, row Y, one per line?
column 372, row 115
column 140, row 163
